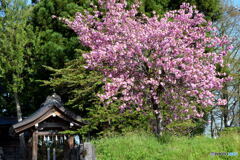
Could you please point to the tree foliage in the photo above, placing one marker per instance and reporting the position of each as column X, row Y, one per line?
column 16, row 41
column 165, row 68
column 81, row 87
column 55, row 45
column 73, row 92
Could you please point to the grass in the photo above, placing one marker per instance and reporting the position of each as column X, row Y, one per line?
column 142, row 146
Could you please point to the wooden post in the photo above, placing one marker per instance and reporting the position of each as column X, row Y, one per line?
column 71, row 146
column 35, row 146
column 48, row 153
column 71, row 142
column 68, row 147
column 54, row 154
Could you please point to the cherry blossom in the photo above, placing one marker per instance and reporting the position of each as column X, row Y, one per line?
column 152, row 63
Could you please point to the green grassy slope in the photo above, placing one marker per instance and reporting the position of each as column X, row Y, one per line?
column 147, row 147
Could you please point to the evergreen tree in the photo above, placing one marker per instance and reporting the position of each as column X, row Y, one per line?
column 18, row 44
column 80, row 87
column 16, row 40
column 55, row 46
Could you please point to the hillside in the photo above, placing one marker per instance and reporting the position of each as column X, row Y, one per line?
column 146, row 147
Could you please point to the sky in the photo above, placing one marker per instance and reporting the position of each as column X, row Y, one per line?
column 236, row 3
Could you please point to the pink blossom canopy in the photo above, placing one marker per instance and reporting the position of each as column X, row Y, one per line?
column 153, row 61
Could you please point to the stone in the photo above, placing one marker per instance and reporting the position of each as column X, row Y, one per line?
column 90, row 151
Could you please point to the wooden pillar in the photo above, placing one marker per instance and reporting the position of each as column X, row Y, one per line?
column 68, row 148
column 71, row 146
column 71, row 142
column 34, row 145
column 54, row 154
column 48, row 153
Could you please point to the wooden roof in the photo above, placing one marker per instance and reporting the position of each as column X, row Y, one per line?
column 51, row 107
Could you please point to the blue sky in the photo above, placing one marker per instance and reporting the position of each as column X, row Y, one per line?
column 236, row 3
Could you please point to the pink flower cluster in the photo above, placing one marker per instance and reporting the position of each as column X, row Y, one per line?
column 153, row 61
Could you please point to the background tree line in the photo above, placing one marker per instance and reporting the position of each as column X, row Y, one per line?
column 40, row 55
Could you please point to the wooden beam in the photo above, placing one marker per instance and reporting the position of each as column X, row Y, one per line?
column 61, row 115
column 35, row 146
column 53, row 125
column 44, row 133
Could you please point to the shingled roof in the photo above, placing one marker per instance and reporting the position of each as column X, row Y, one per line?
column 52, row 106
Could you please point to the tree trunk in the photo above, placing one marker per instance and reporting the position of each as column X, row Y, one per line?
column 18, row 107
column 158, row 117
column 211, row 125
column 225, row 116
column 159, row 124
column 238, row 115
column 225, row 109
column 21, row 135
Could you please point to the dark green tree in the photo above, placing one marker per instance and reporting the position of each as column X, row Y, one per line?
column 80, row 87
column 18, row 45
column 56, row 45
column 16, row 41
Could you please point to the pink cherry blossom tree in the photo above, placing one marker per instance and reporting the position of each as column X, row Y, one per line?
column 165, row 65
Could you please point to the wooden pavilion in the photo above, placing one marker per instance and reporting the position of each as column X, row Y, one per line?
column 45, row 126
